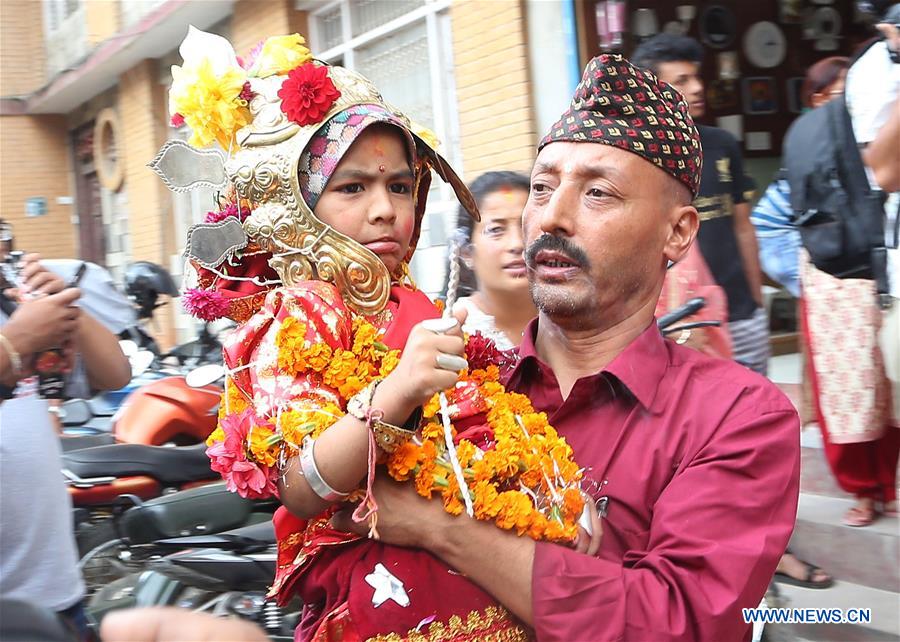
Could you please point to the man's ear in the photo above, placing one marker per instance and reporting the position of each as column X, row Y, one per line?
column 684, row 225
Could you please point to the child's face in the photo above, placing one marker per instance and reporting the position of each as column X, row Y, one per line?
column 370, row 195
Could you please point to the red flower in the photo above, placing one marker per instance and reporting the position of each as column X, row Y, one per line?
column 177, row 120
column 247, row 93
column 307, row 94
column 481, row 352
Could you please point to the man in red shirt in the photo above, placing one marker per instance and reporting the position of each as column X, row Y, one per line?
column 699, row 457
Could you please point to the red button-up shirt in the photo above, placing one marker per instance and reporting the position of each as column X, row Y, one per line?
column 700, row 460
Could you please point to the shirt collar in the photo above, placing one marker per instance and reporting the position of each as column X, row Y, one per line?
column 640, row 367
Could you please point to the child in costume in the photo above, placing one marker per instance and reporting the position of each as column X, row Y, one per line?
column 339, row 361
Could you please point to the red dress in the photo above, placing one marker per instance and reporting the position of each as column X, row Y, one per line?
column 328, row 568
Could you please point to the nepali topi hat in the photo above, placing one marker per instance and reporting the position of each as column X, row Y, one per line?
column 628, row 107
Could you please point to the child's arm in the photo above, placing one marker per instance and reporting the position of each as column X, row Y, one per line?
column 341, row 451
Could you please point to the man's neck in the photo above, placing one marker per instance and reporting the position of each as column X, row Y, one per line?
column 576, row 353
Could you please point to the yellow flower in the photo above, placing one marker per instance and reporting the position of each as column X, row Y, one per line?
column 291, row 342
column 233, row 399
column 342, row 366
column 209, row 103
column 280, row 54
column 403, row 460
column 426, row 135
column 262, row 450
column 389, row 363
column 431, row 407
column 364, row 335
column 307, row 421
column 318, row 356
column 217, row 435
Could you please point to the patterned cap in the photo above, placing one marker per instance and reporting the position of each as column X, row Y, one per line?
column 619, row 104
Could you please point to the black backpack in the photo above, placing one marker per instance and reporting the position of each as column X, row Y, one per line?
column 840, row 217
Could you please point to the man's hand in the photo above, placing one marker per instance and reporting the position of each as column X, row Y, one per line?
column 38, row 280
column 47, row 322
column 404, row 518
column 589, row 543
column 176, row 625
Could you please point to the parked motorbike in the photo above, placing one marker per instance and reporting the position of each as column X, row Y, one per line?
column 139, row 532
column 225, row 574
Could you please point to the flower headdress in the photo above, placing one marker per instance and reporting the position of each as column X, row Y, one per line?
column 263, row 111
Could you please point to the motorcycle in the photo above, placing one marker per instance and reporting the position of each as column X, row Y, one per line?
column 225, row 574
column 126, row 541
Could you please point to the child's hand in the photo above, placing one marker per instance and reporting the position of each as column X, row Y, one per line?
column 430, row 363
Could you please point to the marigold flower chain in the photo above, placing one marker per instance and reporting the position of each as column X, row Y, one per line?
column 527, row 481
column 519, row 472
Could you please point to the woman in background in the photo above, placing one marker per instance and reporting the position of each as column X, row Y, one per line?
column 487, row 274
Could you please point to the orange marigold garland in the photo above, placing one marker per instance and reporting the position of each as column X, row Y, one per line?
column 517, row 471
column 523, row 478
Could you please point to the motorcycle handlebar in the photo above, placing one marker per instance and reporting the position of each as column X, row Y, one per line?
column 690, row 307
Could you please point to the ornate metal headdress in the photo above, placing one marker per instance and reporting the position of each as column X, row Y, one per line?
column 264, row 111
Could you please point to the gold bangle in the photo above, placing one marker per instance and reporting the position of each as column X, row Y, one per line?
column 388, row 437
column 14, row 356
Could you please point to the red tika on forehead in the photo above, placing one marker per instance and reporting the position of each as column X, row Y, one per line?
column 628, row 107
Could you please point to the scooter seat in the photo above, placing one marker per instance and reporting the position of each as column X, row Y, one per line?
column 244, row 539
column 166, row 464
column 81, row 442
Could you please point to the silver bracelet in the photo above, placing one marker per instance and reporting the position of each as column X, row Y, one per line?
column 313, row 477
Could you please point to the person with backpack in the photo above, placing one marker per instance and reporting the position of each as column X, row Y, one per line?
column 776, row 230
column 727, row 239
column 834, row 159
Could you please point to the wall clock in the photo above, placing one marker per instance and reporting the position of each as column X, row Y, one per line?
column 765, row 45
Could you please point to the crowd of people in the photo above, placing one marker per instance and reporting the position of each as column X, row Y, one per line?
column 689, row 455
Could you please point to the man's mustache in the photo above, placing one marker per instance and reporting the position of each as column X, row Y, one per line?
column 558, row 244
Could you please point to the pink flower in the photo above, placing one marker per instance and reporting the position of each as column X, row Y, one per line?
column 207, row 305
column 215, row 216
column 229, row 458
column 177, row 120
column 250, row 60
column 250, row 480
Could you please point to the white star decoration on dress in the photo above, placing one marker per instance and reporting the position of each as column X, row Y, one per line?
column 387, row 587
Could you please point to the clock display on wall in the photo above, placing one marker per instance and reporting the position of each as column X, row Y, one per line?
column 765, row 45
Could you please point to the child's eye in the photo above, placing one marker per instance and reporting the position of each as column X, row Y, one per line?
column 351, row 188
column 494, row 231
column 401, row 188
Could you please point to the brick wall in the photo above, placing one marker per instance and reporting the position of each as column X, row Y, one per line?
column 493, row 88
column 22, row 55
column 102, row 19
column 34, row 161
column 142, row 112
column 255, row 20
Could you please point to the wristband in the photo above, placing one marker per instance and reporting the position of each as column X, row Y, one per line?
column 14, row 357
column 313, row 477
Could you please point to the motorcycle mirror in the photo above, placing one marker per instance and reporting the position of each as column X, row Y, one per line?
column 140, row 361
column 74, row 412
column 204, row 375
column 129, row 347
